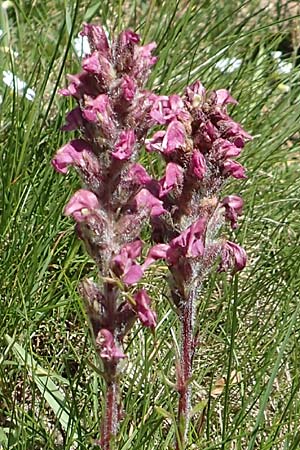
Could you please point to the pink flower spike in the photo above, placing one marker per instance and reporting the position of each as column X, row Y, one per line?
column 223, row 97
column 232, row 255
column 81, row 205
column 145, row 200
column 70, row 154
column 108, row 349
column 173, row 177
column 233, row 168
column 198, row 164
column 125, row 146
column 73, row 120
column 145, row 314
column 233, row 208
column 174, row 137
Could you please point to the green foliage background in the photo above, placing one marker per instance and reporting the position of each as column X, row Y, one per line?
column 246, row 378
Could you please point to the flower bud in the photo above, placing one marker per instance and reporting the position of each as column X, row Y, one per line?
column 108, row 350
column 145, row 314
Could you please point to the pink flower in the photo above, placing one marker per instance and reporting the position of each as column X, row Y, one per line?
column 73, row 119
column 76, row 153
column 198, row 164
column 128, row 88
column 205, row 136
column 142, row 107
column 145, row 200
column 73, row 87
column 97, row 109
column 189, row 243
column 82, row 205
column 99, row 66
column 177, row 109
column 195, row 94
column 167, row 141
column 155, row 143
column 159, row 109
column 223, row 97
column 139, row 174
column 145, row 54
column 125, row 146
column 174, row 137
column 142, row 62
column 108, row 349
column 234, row 131
column 233, row 208
column 82, row 83
column 96, row 37
column 225, row 149
column 233, row 168
column 128, row 37
column 145, row 314
column 158, row 251
column 166, row 109
column 232, row 255
column 173, row 177
column 125, row 267
column 91, row 64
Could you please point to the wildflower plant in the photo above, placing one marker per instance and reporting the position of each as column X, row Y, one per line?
column 198, row 144
column 113, row 117
column 197, row 140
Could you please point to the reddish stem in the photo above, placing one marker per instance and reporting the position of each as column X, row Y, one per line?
column 110, row 420
column 185, row 371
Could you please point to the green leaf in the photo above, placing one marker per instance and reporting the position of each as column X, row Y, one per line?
column 49, row 390
column 199, row 407
column 164, row 413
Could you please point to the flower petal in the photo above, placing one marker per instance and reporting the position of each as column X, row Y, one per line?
column 82, row 205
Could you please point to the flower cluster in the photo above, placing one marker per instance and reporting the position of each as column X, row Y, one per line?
column 198, row 144
column 112, row 116
column 198, row 141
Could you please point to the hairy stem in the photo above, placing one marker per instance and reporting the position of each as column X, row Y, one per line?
column 111, row 416
column 185, row 371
